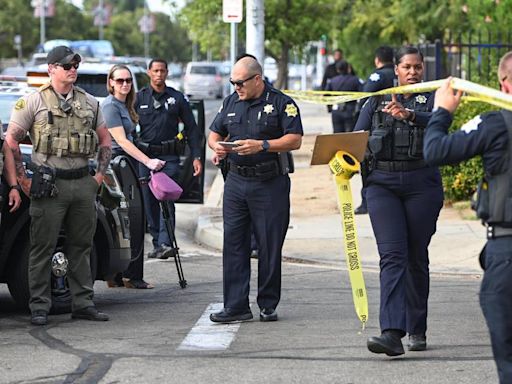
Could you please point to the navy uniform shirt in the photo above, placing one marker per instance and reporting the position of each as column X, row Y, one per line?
column 365, row 120
column 159, row 115
column 484, row 135
column 345, row 83
column 270, row 116
column 383, row 78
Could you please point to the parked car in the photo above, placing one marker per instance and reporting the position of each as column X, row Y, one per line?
column 203, row 80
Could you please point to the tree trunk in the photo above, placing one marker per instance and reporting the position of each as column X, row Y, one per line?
column 282, row 67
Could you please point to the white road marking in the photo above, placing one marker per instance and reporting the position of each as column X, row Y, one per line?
column 208, row 336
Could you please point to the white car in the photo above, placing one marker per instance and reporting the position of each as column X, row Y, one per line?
column 203, row 80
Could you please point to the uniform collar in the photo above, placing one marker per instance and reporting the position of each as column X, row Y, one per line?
column 263, row 97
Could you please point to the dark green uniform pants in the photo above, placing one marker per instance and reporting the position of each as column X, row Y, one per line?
column 73, row 209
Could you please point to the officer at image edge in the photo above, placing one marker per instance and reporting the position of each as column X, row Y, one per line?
column 66, row 128
column 488, row 135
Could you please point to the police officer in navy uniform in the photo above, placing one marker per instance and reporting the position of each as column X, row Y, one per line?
column 160, row 109
column 343, row 115
column 264, row 124
column 404, row 198
column 382, row 78
column 330, row 69
column 490, row 136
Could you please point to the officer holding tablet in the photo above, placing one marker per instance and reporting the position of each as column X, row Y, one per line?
column 263, row 125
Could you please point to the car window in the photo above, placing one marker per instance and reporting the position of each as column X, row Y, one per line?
column 96, row 85
column 7, row 102
column 203, row 70
column 142, row 80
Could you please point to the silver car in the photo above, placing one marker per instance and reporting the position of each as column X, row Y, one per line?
column 203, row 80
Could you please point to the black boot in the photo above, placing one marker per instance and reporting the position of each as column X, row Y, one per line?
column 389, row 342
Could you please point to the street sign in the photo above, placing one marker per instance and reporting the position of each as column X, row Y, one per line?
column 232, row 11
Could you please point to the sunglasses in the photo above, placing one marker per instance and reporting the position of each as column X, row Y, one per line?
column 240, row 83
column 120, row 81
column 67, row 67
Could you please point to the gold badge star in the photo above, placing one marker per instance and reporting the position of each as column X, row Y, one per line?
column 268, row 109
column 291, row 110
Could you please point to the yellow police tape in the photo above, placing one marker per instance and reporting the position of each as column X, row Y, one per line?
column 475, row 91
column 343, row 165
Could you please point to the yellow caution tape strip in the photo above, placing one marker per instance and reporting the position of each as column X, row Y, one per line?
column 475, row 91
column 343, row 165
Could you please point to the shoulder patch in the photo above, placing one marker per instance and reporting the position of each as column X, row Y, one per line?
column 374, row 77
column 471, row 125
column 291, row 110
column 20, row 104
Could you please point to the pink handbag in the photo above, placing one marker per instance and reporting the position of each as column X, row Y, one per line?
column 163, row 187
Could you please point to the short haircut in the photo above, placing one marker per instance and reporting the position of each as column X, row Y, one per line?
column 245, row 54
column 251, row 63
column 407, row 50
column 157, row 60
column 342, row 67
column 505, row 67
column 384, row 54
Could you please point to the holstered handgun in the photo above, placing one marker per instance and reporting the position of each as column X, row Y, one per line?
column 43, row 183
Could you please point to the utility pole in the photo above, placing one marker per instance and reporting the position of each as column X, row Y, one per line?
column 42, row 24
column 255, row 29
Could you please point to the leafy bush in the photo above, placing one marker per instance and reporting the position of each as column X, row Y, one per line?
column 460, row 180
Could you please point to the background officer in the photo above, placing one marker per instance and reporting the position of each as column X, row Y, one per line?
column 8, row 171
column 343, row 115
column 488, row 135
column 383, row 78
column 404, row 197
column 330, row 69
column 66, row 127
column 262, row 122
column 160, row 109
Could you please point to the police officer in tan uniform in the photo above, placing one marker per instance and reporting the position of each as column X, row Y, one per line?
column 8, row 171
column 66, row 128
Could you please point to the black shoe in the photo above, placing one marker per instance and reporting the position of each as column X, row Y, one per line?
column 39, row 317
column 268, row 314
column 153, row 254
column 389, row 342
column 361, row 210
column 229, row 316
column 89, row 313
column 417, row 342
column 165, row 252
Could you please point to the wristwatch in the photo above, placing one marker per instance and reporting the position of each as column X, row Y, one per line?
column 16, row 187
column 265, row 146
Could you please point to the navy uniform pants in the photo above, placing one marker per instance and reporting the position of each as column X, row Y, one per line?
column 496, row 302
column 154, row 215
column 265, row 205
column 403, row 208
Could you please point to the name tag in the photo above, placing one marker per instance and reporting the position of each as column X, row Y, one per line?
column 144, row 106
column 231, row 114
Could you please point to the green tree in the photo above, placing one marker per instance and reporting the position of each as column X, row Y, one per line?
column 289, row 26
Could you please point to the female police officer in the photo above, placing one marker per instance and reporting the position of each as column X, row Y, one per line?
column 404, row 199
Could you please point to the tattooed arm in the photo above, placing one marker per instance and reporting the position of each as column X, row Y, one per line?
column 15, row 134
column 104, row 152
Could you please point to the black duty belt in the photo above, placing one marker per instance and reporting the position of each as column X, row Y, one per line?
column 165, row 148
column 265, row 170
column 399, row 166
column 495, row 231
column 70, row 174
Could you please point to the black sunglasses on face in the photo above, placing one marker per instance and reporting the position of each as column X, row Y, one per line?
column 120, row 81
column 67, row 67
column 240, row 83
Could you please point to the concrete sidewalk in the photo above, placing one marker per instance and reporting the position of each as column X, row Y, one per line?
column 315, row 233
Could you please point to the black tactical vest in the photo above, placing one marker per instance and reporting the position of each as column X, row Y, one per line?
column 494, row 196
column 396, row 140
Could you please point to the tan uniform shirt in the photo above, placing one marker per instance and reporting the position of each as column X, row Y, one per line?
column 31, row 108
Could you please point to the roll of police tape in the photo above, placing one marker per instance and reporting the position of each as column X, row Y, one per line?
column 476, row 92
column 343, row 165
